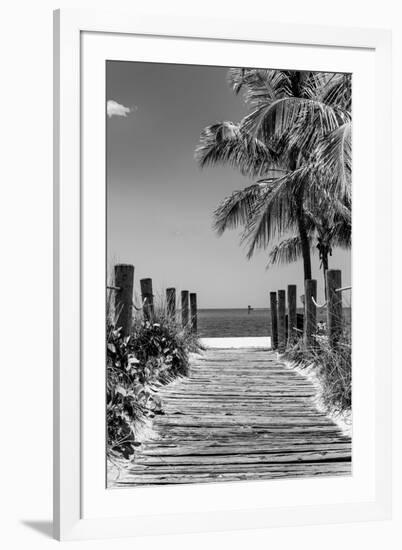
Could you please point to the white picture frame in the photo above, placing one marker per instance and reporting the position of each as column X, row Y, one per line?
column 78, row 484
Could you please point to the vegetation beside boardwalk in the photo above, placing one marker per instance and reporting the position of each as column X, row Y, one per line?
column 332, row 365
column 154, row 353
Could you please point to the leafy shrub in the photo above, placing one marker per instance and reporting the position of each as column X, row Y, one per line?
column 164, row 346
column 130, row 398
column 154, row 354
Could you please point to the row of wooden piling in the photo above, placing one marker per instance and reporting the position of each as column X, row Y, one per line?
column 124, row 304
column 285, row 321
column 188, row 307
column 284, row 326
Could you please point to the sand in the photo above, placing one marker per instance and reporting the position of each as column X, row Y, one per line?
column 237, row 342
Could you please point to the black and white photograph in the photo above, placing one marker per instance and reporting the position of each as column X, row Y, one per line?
column 228, row 272
column 201, row 279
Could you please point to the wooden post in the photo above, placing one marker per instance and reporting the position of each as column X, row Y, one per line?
column 310, row 312
column 171, row 303
column 184, row 308
column 292, row 312
column 123, row 300
column 193, row 311
column 147, row 298
column 300, row 322
column 281, row 320
column 274, row 320
column 334, row 306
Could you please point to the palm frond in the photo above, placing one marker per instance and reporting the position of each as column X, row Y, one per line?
column 291, row 116
column 287, row 251
column 338, row 91
column 237, row 209
column 333, row 160
column 274, row 214
column 310, row 84
column 237, row 79
column 343, row 236
column 259, row 85
column 226, row 143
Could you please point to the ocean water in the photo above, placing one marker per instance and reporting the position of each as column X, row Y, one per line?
column 221, row 323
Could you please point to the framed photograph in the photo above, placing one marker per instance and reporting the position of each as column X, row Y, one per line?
column 222, row 356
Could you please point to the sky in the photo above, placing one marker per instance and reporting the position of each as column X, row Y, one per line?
column 160, row 204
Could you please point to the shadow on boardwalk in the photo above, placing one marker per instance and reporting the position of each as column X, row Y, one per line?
column 240, row 415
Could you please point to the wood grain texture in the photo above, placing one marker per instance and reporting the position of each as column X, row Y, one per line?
column 240, row 415
column 281, row 320
column 310, row 312
column 124, row 280
column 185, row 308
column 193, row 311
column 274, row 319
column 292, row 313
column 147, row 297
column 171, row 302
column 334, row 307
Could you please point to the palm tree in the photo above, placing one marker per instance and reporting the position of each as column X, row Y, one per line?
column 292, row 112
column 325, row 232
column 330, row 216
column 228, row 143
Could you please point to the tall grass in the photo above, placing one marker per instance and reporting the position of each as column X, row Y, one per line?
column 332, row 367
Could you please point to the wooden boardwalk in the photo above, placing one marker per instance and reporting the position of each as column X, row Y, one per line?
column 240, row 415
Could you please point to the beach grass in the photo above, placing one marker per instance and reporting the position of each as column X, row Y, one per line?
column 332, row 366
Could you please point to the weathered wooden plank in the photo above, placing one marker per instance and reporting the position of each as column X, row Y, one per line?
column 245, row 458
column 213, row 448
column 142, row 478
column 300, row 467
column 242, row 420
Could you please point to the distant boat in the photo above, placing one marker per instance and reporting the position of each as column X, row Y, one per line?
column 249, row 308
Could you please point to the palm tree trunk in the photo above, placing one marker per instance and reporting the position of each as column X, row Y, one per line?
column 325, row 269
column 301, row 220
column 305, row 243
column 324, row 250
column 301, row 225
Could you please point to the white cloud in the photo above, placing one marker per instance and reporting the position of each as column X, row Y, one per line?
column 115, row 109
